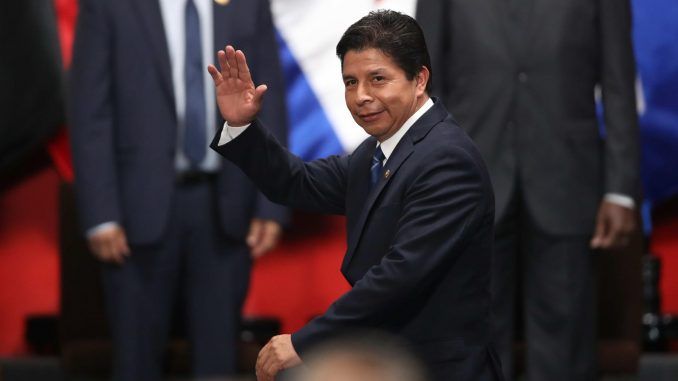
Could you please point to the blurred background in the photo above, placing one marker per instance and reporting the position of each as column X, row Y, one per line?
column 52, row 324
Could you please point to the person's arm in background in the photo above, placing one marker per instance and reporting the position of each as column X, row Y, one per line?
column 91, row 124
column 266, row 227
column 616, row 218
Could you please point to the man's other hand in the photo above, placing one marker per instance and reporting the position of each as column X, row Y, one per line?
column 276, row 355
column 263, row 236
column 109, row 244
column 238, row 100
column 614, row 226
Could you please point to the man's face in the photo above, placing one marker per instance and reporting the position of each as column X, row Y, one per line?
column 378, row 93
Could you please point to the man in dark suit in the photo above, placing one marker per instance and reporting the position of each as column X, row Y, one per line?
column 519, row 76
column 166, row 216
column 416, row 195
column 32, row 90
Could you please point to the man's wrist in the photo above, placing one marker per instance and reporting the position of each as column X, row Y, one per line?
column 228, row 133
column 620, row 199
column 101, row 227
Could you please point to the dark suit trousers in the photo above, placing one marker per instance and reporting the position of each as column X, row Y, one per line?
column 551, row 277
column 193, row 261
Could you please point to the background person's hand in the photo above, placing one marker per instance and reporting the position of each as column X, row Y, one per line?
column 238, row 100
column 263, row 236
column 614, row 226
column 109, row 244
column 276, row 355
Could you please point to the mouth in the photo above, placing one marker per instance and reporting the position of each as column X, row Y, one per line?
column 370, row 117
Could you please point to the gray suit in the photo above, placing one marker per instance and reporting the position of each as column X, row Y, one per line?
column 519, row 76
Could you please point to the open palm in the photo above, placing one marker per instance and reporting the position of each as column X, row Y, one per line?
column 238, row 99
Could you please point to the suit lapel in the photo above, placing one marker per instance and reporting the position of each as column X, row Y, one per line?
column 359, row 183
column 402, row 152
column 148, row 11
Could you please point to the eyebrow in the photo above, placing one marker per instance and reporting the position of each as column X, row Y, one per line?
column 371, row 72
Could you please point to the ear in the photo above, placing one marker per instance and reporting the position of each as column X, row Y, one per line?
column 422, row 79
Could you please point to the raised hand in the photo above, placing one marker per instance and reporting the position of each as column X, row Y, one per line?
column 238, row 99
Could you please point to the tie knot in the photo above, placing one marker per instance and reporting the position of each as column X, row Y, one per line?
column 378, row 156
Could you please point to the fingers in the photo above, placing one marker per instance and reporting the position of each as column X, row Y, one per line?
column 243, row 69
column 263, row 236
column 110, row 245
column 259, row 93
column 231, row 61
column 271, row 360
column 270, row 236
column 223, row 64
column 614, row 226
column 600, row 236
column 216, row 76
column 254, row 235
column 265, row 369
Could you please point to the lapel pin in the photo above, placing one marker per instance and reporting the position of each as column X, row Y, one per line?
column 387, row 173
column 222, row 2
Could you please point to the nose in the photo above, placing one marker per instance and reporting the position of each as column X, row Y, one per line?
column 363, row 94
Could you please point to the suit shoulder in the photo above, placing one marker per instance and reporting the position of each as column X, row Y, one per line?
column 447, row 142
column 446, row 137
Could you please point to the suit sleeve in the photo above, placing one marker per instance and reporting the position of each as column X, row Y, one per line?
column 619, row 102
column 441, row 210
column 92, row 118
column 274, row 113
column 318, row 186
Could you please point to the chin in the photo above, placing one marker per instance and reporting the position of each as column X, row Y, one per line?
column 372, row 131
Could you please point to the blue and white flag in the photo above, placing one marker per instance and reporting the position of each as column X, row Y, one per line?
column 655, row 35
column 309, row 30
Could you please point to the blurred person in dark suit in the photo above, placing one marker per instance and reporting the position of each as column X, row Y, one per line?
column 519, row 76
column 417, row 198
column 165, row 215
column 32, row 88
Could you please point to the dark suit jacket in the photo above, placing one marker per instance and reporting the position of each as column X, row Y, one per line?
column 419, row 244
column 521, row 82
column 124, row 127
column 32, row 89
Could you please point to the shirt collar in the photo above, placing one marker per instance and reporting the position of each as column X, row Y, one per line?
column 388, row 145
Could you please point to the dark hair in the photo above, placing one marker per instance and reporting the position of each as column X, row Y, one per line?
column 394, row 34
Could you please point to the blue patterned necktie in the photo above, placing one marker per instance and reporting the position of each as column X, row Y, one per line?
column 195, row 134
column 377, row 165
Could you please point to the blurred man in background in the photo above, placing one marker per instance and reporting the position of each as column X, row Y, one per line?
column 165, row 215
column 32, row 87
column 519, row 76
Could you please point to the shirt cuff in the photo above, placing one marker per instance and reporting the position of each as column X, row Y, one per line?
column 621, row 200
column 229, row 133
column 101, row 227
